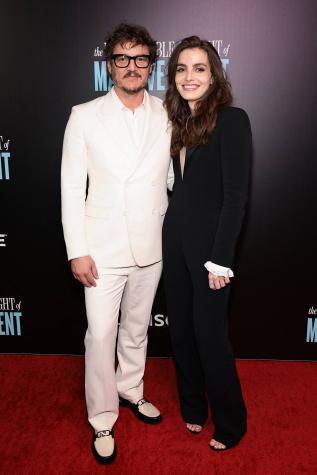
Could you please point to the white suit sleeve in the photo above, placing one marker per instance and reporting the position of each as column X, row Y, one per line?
column 73, row 187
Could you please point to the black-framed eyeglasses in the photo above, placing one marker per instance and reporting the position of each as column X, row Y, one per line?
column 123, row 60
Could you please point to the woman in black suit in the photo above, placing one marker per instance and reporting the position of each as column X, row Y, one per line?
column 211, row 147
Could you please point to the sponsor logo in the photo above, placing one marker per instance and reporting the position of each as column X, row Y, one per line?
column 10, row 317
column 311, row 332
column 5, row 156
column 156, row 82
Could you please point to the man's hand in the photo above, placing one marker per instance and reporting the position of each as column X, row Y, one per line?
column 217, row 282
column 84, row 269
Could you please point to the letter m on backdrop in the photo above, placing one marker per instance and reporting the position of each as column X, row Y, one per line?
column 100, row 75
column 311, row 335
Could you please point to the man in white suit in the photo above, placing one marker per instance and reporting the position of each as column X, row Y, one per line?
column 113, row 236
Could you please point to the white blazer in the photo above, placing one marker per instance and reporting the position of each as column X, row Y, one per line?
column 119, row 222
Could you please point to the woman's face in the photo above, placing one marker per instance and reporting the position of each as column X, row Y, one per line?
column 193, row 76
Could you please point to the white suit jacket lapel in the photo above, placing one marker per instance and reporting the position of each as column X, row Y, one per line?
column 116, row 130
column 153, row 124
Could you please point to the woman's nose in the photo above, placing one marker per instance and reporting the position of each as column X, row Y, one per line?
column 189, row 75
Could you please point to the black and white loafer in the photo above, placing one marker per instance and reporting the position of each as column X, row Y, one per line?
column 104, row 447
column 144, row 410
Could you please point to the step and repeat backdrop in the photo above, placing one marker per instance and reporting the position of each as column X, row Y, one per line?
column 51, row 59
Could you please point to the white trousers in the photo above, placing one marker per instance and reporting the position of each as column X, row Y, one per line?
column 131, row 289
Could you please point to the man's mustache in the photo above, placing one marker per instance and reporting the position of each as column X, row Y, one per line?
column 132, row 74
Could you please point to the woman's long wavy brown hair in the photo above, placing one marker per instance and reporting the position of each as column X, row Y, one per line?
column 187, row 129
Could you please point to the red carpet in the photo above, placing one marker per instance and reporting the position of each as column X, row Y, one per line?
column 44, row 428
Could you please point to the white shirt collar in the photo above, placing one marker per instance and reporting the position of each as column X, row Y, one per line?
column 122, row 106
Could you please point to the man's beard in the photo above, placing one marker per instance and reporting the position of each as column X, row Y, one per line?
column 132, row 90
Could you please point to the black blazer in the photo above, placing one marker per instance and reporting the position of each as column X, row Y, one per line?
column 207, row 206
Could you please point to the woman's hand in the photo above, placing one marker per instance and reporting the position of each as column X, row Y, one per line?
column 217, row 282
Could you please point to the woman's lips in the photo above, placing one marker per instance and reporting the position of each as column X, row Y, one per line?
column 191, row 87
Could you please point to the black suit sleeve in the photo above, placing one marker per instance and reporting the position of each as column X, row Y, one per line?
column 236, row 152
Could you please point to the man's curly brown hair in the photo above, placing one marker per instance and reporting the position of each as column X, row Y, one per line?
column 129, row 33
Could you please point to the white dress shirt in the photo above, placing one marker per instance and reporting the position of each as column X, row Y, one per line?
column 133, row 119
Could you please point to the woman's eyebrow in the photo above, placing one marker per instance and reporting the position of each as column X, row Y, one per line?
column 196, row 64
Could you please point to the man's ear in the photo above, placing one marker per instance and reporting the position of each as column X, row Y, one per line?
column 150, row 69
column 109, row 67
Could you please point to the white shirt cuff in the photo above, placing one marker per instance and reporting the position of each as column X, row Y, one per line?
column 218, row 270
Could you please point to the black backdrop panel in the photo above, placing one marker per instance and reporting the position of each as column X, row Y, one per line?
column 50, row 61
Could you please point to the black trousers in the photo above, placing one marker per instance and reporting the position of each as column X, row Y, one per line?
column 203, row 355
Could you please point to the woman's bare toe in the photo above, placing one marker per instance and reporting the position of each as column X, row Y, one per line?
column 217, row 445
column 194, row 427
